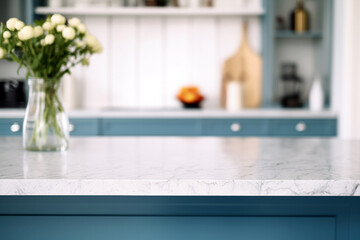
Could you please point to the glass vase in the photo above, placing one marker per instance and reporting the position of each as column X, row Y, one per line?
column 45, row 126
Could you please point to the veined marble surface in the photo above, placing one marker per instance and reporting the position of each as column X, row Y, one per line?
column 184, row 166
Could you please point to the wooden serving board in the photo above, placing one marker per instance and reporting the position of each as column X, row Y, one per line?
column 244, row 66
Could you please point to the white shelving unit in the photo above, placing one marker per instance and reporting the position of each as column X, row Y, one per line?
column 310, row 51
column 149, row 11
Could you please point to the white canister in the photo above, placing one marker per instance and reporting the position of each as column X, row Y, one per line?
column 316, row 96
column 234, row 96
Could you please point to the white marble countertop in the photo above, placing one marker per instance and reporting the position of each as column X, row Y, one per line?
column 206, row 166
column 181, row 113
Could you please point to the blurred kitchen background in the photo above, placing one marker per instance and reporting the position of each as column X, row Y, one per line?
column 260, row 67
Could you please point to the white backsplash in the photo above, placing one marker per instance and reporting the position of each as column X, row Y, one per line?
column 147, row 59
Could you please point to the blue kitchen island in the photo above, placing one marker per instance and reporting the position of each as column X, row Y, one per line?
column 182, row 188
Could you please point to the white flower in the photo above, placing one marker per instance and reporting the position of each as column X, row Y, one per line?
column 19, row 44
column 68, row 33
column 60, row 28
column 2, row 53
column 48, row 26
column 38, row 31
column 93, row 43
column 49, row 39
column 58, row 19
column 85, row 62
column 10, row 24
column 26, row 33
column 19, row 25
column 81, row 28
column 6, row 34
column 80, row 44
column 42, row 42
column 74, row 22
column 6, row 41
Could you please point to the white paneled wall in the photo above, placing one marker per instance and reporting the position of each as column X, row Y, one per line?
column 177, row 62
column 147, row 59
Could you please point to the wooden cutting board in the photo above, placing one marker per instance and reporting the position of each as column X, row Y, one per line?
column 244, row 66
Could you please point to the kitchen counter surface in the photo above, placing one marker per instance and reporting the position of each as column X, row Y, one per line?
column 184, row 166
column 180, row 113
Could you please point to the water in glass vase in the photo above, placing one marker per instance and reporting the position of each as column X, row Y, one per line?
column 45, row 126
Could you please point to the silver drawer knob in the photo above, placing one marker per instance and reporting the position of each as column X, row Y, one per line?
column 300, row 127
column 15, row 127
column 235, row 127
column 71, row 127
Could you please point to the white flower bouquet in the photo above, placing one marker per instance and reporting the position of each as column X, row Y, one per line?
column 48, row 50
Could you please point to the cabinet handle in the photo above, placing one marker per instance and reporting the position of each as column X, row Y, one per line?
column 71, row 127
column 15, row 127
column 235, row 127
column 300, row 127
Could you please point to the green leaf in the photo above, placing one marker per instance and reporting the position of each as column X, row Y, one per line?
column 20, row 66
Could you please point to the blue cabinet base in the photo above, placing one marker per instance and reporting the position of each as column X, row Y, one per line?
column 158, row 218
column 222, row 127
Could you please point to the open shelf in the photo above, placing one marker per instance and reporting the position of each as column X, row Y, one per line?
column 311, row 50
column 292, row 34
column 149, row 11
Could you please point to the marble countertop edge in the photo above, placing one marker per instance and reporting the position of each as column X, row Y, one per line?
column 178, row 187
column 179, row 113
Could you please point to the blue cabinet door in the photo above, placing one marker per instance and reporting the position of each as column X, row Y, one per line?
column 189, row 127
column 179, row 218
column 151, row 127
column 235, row 127
column 303, row 127
column 84, row 127
column 78, row 127
column 166, row 227
column 11, row 126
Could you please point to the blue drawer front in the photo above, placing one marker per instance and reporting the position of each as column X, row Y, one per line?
column 166, row 227
column 303, row 127
column 84, row 127
column 8, row 125
column 235, row 127
column 190, row 127
column 151, row 127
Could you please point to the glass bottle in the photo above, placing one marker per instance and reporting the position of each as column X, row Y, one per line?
column 299, row 19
